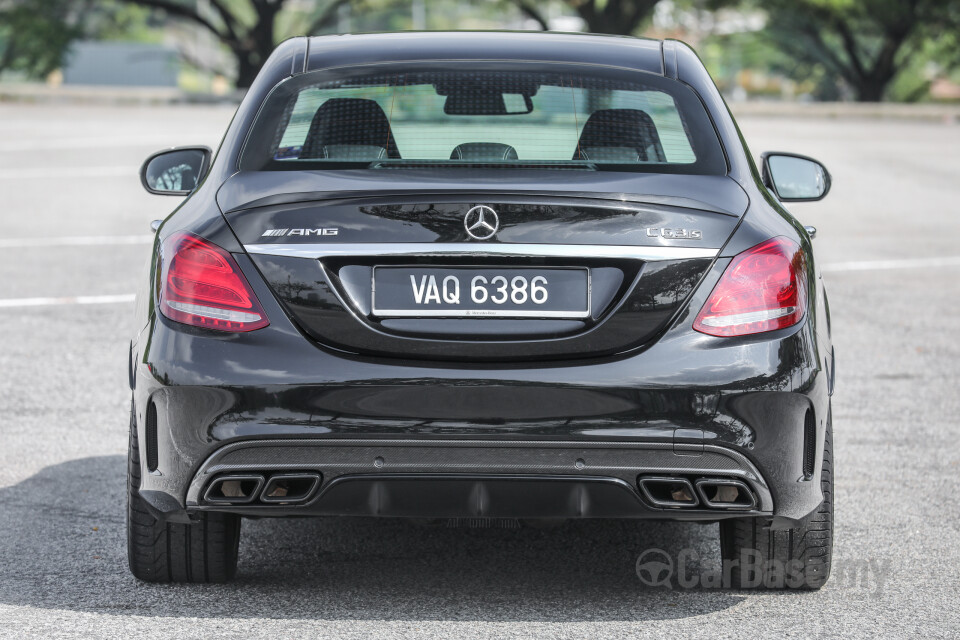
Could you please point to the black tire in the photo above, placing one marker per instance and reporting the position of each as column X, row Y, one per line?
column 205, row 551
column 797, row 558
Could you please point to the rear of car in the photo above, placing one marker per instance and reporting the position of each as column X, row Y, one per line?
column 539, row 283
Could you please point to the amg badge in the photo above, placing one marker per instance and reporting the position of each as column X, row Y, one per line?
column 300, row 232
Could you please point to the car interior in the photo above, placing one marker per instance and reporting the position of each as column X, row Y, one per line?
column 358, row 130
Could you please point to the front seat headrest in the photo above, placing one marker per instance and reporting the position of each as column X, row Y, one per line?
column 348, row 121
column 621, row 128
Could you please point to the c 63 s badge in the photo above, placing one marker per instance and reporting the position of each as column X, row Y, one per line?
column 675, row 234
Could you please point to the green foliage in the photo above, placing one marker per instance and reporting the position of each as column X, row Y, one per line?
column 249, row 29
column 865, row 43
column 122, row 22
column 871, row 49
column 35, row 35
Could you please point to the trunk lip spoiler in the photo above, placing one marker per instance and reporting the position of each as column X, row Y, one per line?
column 471, row 249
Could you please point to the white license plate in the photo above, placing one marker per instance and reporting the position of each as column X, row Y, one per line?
column 480, row 292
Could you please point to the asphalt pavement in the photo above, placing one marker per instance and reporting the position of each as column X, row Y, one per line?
column 73, row 242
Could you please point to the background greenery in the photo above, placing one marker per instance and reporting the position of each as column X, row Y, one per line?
column 865, row 50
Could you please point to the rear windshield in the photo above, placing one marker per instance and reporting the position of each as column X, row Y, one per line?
column 512, row 115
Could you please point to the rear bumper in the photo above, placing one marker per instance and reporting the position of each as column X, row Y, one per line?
column 435, row 478
column 498, row 441
column 690, row 405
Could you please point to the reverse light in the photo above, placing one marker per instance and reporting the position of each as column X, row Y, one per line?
column 202, row 285
column 762, row 289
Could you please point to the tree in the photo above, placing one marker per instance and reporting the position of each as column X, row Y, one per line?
column 867, row 43
column 619, row 17
column 248, row 28
column 34, row 35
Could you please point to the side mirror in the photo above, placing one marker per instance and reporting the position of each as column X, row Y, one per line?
column 175, row 172
column 794, row 178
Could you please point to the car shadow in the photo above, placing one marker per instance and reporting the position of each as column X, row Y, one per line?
column 63, row 546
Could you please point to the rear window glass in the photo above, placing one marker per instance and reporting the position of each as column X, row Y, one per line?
column 513, row 116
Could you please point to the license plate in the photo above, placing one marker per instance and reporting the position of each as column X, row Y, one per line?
column 481, row 292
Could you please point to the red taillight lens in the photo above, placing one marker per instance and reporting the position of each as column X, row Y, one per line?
column 203, row 286
column 763, row 289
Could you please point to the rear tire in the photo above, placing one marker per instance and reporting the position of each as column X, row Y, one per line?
column 797, row 558
column 204, row 551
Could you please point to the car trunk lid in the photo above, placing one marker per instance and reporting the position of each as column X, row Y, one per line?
column 371, row 267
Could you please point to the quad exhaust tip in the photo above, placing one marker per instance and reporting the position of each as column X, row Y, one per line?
column 725, row 494
column 273, row 489
column 290, row 488
column 234, row 489
column 711, row 493
column 668, row 492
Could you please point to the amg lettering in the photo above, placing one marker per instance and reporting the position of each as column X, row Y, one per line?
column 330, row 231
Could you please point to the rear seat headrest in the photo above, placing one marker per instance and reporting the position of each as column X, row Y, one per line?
column 491, row 151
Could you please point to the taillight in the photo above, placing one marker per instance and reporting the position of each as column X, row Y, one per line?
column 203, row 286
column 762, row 289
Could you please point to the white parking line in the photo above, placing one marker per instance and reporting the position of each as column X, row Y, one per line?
column 67, row 172
column 74, row 241
column 46, row 302
column 48, row 144
column 865, row 265
column 904, row 263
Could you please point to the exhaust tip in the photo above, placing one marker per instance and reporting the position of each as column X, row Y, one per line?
column 234, row 489
column 725, row 494
column 290, row 488
column 668, row 492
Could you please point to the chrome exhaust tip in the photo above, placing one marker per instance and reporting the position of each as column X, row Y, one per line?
column 725, row 494
column 290, row 488
column 234, row 489
column 668, row 492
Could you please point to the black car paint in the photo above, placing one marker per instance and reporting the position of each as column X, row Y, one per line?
column 751, row 394
column 627, row 310
column 258, row 189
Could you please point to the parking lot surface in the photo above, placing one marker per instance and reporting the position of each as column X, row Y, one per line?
column 73, row 241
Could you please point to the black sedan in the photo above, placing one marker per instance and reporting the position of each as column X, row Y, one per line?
column 518, row 276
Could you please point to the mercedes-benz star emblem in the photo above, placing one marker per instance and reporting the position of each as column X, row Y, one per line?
column 481, row 222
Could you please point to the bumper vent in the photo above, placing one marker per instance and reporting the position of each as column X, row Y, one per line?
column 150, row 433
column 809, row 445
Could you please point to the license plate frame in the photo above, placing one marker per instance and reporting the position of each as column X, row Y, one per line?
column 526, row 310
